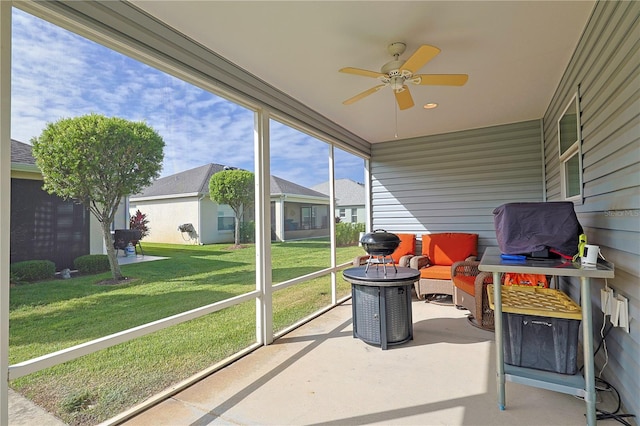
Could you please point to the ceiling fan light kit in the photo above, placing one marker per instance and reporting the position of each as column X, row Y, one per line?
column 397, row 73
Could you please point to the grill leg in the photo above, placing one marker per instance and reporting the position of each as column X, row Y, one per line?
column 368, row 264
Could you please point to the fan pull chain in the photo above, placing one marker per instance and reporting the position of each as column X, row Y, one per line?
column 396, row 111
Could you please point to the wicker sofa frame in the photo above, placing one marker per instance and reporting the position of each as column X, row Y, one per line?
column 477, row 303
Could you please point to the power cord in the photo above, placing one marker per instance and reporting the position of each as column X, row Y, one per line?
column 604, row 332
column 603, row 341
column 604, row 386
column 605, row 415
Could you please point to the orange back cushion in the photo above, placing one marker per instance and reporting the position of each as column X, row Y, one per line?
column 407, row 246
column 449, row 247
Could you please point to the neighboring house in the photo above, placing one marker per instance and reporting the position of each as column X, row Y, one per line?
column 179, row 210
column 298, row 212
column 44, row 226
column 350, row 199
column 182, row 199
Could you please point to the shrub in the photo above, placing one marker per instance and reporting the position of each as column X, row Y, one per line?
column 248, row 232
column 92, row 263
column 139, row 221
column 32, row 270
column 347, row 234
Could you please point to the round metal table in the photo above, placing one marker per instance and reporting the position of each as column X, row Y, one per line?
column 381, row 304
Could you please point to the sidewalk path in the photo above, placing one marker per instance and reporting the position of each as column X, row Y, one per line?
column 23, row 412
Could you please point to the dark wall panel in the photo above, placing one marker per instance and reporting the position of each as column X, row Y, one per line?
column 44, row 226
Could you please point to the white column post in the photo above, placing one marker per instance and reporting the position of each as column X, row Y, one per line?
column 332, row 222
column 367, row 192
column 5, row 201
column 280, row 211
column 264, row 303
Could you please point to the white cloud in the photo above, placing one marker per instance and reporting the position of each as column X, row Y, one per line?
column 57, row 74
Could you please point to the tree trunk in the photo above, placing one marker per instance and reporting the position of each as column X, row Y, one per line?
column 111, row 251
column 237, row 227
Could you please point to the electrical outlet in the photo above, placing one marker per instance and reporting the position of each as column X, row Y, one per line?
column 611, row 302
column 615, row 314
column 607, row 301
column 623, row 312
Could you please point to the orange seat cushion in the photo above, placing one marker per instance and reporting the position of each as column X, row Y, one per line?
column 450, row 247
column 407, row 246
column 436, row 272
column 465, row 283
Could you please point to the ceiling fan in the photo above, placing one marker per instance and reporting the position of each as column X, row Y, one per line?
column 397, row 73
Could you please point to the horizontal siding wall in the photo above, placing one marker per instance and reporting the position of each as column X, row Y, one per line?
column 452, row 182
column 605, row 67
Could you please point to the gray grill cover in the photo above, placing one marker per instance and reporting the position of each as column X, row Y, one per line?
column 523, row 228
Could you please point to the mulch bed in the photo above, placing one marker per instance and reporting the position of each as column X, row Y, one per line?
column 111, row 281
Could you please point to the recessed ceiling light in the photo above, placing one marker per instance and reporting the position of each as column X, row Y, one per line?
column 430, row 105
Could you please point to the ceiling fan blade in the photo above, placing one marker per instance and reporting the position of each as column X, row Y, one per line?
column 404, row 98
column 441, row 79
column 358, row 71
column 420, row 57
column 363, row 94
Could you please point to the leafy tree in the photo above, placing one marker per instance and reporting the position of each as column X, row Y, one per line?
column 139, row 221
column 235, row 188
column 97, row 160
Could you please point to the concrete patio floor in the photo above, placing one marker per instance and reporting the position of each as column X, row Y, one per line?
column 321, row 374
column 138, row 258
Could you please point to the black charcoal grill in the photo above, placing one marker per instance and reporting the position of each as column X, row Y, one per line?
column 379, row 244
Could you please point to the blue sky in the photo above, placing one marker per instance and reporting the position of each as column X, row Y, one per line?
column 58, row 74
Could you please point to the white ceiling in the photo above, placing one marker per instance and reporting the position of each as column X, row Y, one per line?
column 513, row 51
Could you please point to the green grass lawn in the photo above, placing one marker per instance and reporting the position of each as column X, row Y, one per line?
column 53, row 315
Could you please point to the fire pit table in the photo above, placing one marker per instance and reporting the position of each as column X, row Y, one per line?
column 381, row 304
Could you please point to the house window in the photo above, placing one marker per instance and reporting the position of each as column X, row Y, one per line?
column 226, row 218
column 570, row 150
column 226, row 223
column 342, row 213
column 308, row 220
column 354, row 215
column 314, row 217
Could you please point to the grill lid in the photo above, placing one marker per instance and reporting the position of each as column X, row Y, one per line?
column 380, row 242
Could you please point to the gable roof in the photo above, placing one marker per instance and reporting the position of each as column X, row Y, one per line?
column 348, row 192
column 193, row 181
column 196, row 181
column 21, row 153
column 281, row 186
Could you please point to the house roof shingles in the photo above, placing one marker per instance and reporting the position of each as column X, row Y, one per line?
column 348, row 192
column 280, row 186
column 187, row 182
column 21, row 153
column 197, row 181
